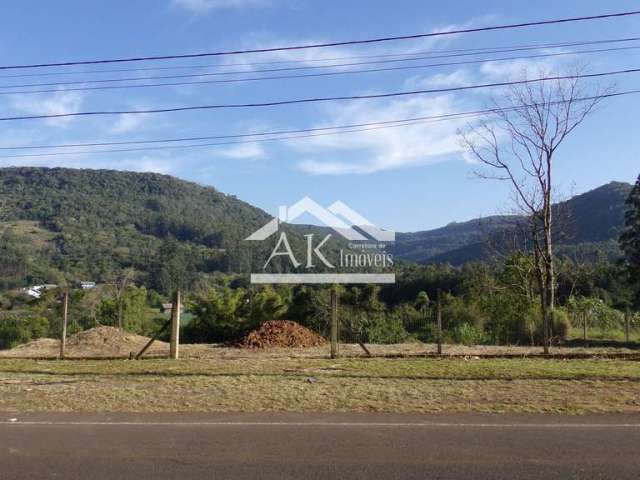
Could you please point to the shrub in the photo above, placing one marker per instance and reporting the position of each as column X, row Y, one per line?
column 467, row 334
column 560, row 327
column 512, row 318
column 561, row 324
column 416, row 323
column 14, row 331
column 456, row 312
column 385, row 329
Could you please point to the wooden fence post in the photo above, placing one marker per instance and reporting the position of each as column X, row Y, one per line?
column 627, row 321
column 334, row 322
column 439, row 322
column 174, row 346
column 63, row 336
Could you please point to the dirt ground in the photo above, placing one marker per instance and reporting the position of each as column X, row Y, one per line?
column 109, row 342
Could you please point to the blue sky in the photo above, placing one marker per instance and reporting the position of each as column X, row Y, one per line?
column 409, row 178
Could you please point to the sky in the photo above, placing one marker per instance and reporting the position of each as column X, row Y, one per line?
column 407, row 178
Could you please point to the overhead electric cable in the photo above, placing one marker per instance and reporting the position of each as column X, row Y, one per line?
column 329, row 44
column 283, row 77
column 409, row 56
column 318, row 99
column 278, row 135
column 315, row 67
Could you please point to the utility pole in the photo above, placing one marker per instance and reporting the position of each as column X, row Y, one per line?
column 334, row 322
column 439, row 321
column 175, row 326
column 65, row 310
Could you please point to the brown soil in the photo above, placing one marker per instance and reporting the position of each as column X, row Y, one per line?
column 96, row 342
column 282, row 333
column 268, row 342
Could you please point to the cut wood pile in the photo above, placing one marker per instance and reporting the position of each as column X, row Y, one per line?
column 282, row 333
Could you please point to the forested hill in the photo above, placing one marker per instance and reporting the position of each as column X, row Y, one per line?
column 92, row 223
column 591, row 221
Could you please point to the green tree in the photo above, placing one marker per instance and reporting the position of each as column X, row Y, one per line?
column 422, row 302
column 267, row 304
column 216, row 316
column 310, row 307
column 630, row 238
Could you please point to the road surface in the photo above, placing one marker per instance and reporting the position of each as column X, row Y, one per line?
column 318, row 446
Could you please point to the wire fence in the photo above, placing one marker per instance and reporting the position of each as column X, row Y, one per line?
column 439, row 324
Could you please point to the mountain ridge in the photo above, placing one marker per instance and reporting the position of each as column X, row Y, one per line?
column 592, row 217
column 89, row 224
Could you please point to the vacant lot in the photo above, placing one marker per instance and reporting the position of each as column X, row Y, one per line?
column 266, row 382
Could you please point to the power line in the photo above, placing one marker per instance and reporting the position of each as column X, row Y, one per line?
column 243, row 135
column 261, row 140
column 319, row 99
column 409, row 56
column 422, row 55
column 330, row 44
column 283, row 77
column 315, row 67
column 279, row 135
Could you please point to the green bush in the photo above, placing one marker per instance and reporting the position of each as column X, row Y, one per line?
column 14, row 331
column 511, row 319
column 217, row 317
column 561, row 324
column 467, row 334
column 531, row 326
column 416, row 323
column 456, row 311
column 560, row 327
column 385, row 329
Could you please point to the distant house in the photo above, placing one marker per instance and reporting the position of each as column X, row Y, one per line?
column 87, row 285
column 35, row 291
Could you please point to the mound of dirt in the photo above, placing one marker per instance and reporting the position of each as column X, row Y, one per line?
column 281, row 333
column 95, row 342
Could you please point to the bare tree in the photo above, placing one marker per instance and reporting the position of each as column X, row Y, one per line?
column 518, row 144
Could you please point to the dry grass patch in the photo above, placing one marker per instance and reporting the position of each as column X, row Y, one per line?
column 322, row 385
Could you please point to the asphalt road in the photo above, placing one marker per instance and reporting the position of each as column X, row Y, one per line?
column 318, row 446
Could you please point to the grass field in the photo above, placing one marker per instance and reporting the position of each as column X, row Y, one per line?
column 322, row 385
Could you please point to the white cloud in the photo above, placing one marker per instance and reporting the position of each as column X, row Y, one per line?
column 147, row 163
column 128, row 122
column 439, row 80
column 58, row 103
column 311, row 57
column 378, row 150
column 518, row 69
column 206, row 6
column 245, row 151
